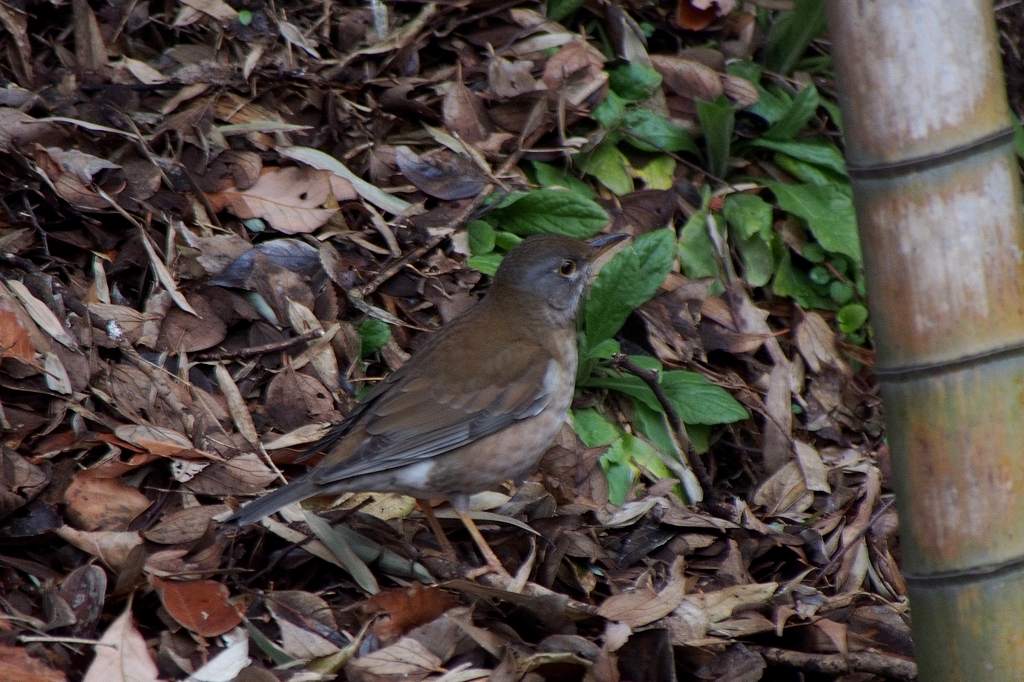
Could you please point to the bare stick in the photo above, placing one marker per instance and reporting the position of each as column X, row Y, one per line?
column 263, row 349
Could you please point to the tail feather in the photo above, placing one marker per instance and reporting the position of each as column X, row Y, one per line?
column 255, row 510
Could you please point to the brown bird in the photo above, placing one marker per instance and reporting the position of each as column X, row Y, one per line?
column 477, row 405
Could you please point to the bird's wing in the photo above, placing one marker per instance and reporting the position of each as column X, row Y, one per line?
column 419, row 417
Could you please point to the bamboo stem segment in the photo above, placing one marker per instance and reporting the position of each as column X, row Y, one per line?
column 938, row 202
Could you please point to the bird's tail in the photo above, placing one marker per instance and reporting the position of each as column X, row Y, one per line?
column 255, row 510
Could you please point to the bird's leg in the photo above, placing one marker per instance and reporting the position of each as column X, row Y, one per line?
column 435, row 528
column 493, row 564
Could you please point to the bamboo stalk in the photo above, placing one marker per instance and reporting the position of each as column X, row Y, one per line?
column 938, row 201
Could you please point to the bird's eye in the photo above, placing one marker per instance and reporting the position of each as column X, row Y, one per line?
column 567, row 268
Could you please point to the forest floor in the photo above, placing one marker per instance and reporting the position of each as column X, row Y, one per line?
column 221, row 221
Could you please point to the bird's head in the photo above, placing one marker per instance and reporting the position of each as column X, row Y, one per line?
column 551, row 271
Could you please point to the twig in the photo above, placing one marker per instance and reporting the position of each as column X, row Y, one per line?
column 888, row 666
column 650, row 378
column 252, row 351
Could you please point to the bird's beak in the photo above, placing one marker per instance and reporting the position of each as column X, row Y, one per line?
column 603, row 242
column 601, row 249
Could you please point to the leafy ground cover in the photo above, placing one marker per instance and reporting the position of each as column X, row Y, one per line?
column 223, row 221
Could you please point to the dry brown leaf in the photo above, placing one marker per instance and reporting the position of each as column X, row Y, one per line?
column 406, row 659
column 245, row 474
column 644, row 606
column 784, row 491
column 291, row 199
column 689, row 77
column 181, row 331
column 97, row 503
column 159, row 441
column 306, row 622
column 73, row 174
column 18, row 129
column 575, row 72
column 90, row 50
column 218, row 9
column 202, row 606
column 464, row 113
column 16, row 664
column 816, row 341
column 16, row 23
column 402, row 609
column 122, row 655
column 15, row 338
column 110, row 547
column 184, row 525
column 42, row 315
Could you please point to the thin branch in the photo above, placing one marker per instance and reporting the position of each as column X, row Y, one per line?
column 891, row 667
column 650, row 378
column 263, row 349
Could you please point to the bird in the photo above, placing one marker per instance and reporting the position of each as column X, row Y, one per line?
column 477, row 405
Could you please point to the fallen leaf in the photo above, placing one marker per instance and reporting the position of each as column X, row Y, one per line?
column 16, row 664
column 202, row 606
column 110, row 547
column 98, row 503
column 291, row 199
column 122, row 655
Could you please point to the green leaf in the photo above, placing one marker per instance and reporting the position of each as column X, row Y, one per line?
column 696, row 399
column 506, row 240
column 641, row 452
column 796, row 117
column 772, row 103
column 659, row 173
column 852, row 317
column 603, row 349
column 634, row 81
column 481, row 237
column 373, row 334
column 791, row 33
column 828, row 212
column 699, row 401
column 610, row 112
column 791, row 282
column 552, row 176
column 758, row 259
column 562, row 9
column 654, row 426
column 748, row 214
column 816, row 152
column 551, row 211
column 487, row 263
column 609, row 166
column 593, row 428
column 840, row 292
column 804, row 172
column 626, row 281
column 244, row 17
column 696, row 251
column 716, row 120
column 651, row 132
column 615, row 463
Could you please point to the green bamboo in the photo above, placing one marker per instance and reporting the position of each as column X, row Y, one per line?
column 935, row 182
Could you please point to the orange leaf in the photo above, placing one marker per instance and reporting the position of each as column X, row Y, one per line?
column 202, row 606
column 16, row 664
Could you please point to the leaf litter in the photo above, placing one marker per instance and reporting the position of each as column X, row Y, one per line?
column 224, row 221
